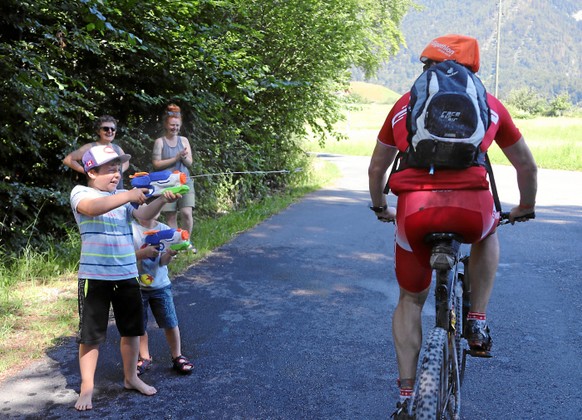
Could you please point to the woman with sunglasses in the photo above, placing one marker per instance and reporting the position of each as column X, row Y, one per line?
column 106, row 127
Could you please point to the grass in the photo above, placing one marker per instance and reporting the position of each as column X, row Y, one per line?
column 371, row 93
column 38, row 292
column 556, row 142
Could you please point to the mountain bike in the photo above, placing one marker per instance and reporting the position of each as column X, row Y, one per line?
column 437, row 392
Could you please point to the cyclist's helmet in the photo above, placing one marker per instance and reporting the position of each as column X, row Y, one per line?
column 460, row 48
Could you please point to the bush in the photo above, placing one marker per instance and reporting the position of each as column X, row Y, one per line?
column 526, row 101
column 559, row 105
column 248, row 88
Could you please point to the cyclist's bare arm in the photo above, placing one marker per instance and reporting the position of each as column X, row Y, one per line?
column 522, row 160
column 382, row 158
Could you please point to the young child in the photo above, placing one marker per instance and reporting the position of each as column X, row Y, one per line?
column 156, row 290
column 108, row 269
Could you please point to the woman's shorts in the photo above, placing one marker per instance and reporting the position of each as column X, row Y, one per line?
column 187, row 200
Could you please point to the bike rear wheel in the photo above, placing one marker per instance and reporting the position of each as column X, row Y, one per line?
column 459, row 325
column 438, row 388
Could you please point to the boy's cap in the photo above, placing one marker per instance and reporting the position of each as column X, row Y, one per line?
column 100, row 155
column 460, row 48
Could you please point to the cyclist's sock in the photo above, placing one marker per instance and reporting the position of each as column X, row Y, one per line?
column 480, row 316
column 405, row 394
column 406, row 386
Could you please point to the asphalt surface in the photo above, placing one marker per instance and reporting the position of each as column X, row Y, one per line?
column 291, row 320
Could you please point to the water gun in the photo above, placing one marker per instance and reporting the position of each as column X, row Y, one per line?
column 175, row 239
column 159, row 182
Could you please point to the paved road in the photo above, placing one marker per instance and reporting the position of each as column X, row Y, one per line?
column 292, row 320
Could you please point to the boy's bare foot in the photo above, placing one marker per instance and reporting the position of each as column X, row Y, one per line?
column 85, row 400
column 140, row 386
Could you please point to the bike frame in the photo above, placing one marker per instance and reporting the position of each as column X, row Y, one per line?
column 437, row 389
column 438, row 385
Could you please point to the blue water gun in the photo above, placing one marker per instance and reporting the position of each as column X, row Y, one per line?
column 174, row 239
column 159, row 182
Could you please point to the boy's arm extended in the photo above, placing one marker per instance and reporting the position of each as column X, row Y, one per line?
column 152, row 209
column 100, row 205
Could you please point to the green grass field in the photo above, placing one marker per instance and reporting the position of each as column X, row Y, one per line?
column 556, row 143
column 372, row 93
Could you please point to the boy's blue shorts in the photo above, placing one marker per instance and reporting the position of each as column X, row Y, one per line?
column 161, row 302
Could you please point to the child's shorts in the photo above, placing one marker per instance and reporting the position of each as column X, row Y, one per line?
column 95, row 298
column 162, row 304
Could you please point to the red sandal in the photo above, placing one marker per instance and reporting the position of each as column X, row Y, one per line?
column 182, row 365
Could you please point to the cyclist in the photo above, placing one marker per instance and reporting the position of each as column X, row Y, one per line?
column 448, row 200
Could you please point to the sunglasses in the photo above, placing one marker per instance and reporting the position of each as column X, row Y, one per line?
column 108, row 129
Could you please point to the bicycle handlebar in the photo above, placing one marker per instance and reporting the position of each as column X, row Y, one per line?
column 504, row 219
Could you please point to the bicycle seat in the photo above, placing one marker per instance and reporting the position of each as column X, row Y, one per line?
column 445, row 247
column 432, row 238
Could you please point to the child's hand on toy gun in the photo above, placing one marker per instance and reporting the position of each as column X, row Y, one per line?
column 167, row 257
column 138, row 196
column 168, row 240
column 170, row 196
column 171, row 252
column 149, row 251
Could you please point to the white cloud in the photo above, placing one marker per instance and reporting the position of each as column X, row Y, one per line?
column 577, row 15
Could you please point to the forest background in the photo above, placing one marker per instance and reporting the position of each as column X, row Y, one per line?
column 251, row 78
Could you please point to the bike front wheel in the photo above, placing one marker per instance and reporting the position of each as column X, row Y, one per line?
column 438, row 385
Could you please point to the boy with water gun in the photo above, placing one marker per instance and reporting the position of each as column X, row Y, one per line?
column 156, row 244
column 107, row 269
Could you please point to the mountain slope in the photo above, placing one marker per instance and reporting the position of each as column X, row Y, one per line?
column 541, row 43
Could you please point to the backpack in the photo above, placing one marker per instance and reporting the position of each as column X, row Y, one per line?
column 447, row 118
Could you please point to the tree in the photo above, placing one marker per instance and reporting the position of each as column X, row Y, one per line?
column 559, row 105
column 526, row 100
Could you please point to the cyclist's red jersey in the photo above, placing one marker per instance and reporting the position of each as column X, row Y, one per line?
column 447, row 201
column 502, row 130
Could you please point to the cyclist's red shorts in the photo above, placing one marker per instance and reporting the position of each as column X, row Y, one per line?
column 469, row 213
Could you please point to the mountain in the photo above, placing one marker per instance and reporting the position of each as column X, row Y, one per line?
column 540, row 44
